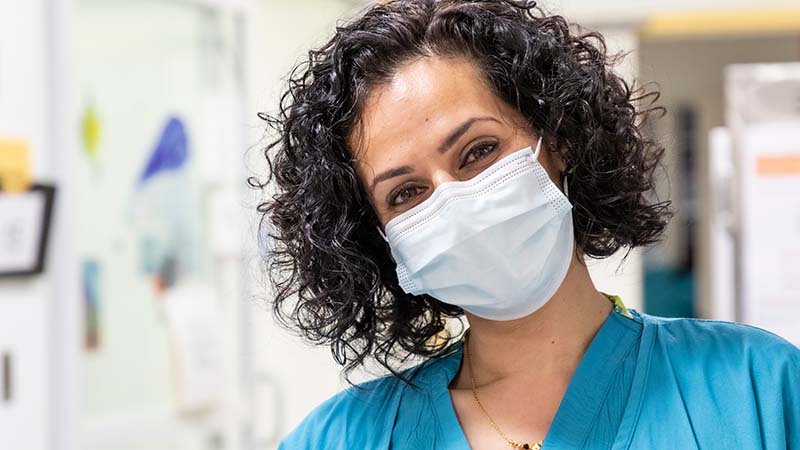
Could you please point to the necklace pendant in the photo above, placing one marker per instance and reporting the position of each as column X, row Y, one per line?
column 526, row 446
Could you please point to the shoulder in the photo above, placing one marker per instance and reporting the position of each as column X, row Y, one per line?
column 716, row 344
column 361, row 406
column 341, row 422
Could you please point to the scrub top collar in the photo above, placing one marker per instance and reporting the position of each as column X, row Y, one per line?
column 585, row 393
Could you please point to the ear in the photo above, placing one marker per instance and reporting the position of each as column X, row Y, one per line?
column 557, row 160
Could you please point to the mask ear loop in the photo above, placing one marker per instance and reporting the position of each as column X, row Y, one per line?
column 538, row 147
column 564, row 178
column 378, row 227
column 381, row 233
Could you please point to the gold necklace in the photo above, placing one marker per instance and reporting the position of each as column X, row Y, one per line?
column 515, row 444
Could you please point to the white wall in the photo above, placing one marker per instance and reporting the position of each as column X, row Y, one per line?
column 41, row 317
column 25, row 303
column 185, row 63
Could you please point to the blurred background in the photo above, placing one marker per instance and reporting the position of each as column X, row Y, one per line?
column 132, row 304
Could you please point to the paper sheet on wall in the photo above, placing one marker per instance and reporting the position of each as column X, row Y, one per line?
column 195, row 322
column 770, row 228
column 20, row 230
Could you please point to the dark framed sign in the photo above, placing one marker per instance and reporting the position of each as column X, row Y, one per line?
column 24, row 228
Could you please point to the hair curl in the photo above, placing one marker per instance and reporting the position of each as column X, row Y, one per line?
column 332, row 273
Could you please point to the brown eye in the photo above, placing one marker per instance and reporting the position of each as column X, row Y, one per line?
column 404, row 195
column 479, row 152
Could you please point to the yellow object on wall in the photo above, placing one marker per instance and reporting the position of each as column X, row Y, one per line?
column 91, row 131
column 755, row 21
column 15, row 166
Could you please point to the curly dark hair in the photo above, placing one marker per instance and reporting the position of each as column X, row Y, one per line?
column 332, row 273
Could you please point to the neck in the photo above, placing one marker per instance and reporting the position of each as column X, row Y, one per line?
column 553, row 339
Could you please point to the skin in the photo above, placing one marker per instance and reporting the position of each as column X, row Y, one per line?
column 521, row 367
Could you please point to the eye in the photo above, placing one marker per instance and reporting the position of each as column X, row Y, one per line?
column 479, row 152
column 404, row 195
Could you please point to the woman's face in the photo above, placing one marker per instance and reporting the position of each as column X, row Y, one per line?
column 435, row 121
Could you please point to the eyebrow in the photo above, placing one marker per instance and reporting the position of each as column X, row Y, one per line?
column 391, row 173
column 448, row 142
column 456, row 134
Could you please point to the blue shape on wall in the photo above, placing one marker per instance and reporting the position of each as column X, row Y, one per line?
column 171, row 152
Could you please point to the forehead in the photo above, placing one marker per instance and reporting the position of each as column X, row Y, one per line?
column 421, row 103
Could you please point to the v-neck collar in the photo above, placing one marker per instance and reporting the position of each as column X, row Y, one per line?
column 582, row 400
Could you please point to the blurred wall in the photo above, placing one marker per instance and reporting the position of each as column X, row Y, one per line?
column 28, row 305
column 689, row 73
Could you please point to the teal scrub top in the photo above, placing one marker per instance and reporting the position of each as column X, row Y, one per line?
column 644, row 383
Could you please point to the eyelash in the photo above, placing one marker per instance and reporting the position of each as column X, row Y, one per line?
column 492, row 146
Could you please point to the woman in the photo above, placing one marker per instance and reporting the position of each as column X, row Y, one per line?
column 460, row 158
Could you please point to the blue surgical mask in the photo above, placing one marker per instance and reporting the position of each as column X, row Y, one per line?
column 498, row 245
